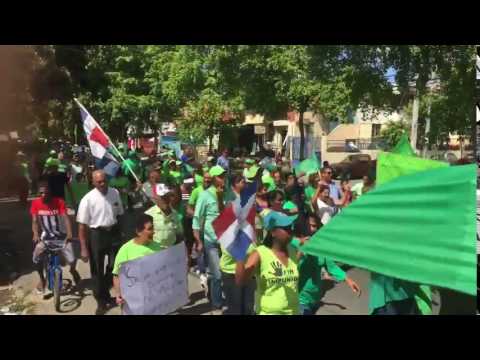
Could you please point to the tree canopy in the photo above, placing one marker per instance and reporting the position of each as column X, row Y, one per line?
column 206, row 88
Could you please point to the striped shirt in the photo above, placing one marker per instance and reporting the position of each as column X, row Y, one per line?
column 49, row 217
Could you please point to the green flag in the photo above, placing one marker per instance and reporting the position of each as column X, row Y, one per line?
column 308, row 166
column 399, row 168
column 418, row 227
column 391, row 166
column 403, row 147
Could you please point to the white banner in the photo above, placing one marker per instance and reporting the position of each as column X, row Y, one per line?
column 155, row 284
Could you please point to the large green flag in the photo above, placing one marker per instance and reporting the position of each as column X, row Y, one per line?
column 391, row 166
column 403, row 147
column 308, row 166
column 418, row 227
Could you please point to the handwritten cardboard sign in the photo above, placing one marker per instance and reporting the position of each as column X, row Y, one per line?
column 155, row 284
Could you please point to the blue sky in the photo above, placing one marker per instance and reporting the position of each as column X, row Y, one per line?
column 390, row 75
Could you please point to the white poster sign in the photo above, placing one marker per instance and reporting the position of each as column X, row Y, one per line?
column 155, row 284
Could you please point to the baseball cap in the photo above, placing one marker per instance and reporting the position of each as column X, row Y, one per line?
column 53, row 152
column 252, row 172
column 162, row 189
column 52, row 162
column 275, row 219
column 289, row 205
column 216, row 170
column 249, row 161
column 188, row 181
column 268, row 180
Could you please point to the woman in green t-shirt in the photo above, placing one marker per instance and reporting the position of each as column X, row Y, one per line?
column 138, row 247
column 277, row 274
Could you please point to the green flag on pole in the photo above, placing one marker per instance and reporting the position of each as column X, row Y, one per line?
column 308, row 166
column 403, row 147
column 418, row 227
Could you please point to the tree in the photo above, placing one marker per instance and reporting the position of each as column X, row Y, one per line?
column 393, row 132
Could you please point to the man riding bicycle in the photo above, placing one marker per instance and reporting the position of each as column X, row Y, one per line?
column 49, row 214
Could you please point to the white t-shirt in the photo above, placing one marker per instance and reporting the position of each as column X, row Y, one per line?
column 76, row 169
column 326, row 212
column 98, row 210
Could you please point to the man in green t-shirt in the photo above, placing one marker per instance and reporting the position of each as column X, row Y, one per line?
column 138, row 247
column 310, row 272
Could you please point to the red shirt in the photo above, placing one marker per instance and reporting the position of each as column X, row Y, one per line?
column 49, row 217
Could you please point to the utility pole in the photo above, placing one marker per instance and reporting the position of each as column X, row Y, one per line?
column 413, row 134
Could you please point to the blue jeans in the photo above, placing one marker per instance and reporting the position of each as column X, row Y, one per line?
column 212, row 254
column 309, row 310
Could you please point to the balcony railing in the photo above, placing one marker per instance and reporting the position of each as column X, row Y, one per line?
column 355, row 145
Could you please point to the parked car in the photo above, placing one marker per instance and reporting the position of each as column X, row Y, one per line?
column 354, row 167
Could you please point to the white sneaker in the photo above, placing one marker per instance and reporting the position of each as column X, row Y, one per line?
column 204, row 283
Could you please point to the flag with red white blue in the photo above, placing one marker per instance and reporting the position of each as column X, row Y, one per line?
column 99, row 143
column 235, row 226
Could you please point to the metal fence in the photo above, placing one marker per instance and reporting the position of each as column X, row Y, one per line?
column 355, row 145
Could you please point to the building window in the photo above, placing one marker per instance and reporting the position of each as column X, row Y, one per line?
column 376, row 130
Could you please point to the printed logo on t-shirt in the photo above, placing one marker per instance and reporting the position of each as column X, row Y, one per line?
column 281, row 276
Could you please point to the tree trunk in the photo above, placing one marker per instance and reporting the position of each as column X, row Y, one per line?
column 302, row 135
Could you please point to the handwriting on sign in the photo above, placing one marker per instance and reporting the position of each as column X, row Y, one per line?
column 162, row 282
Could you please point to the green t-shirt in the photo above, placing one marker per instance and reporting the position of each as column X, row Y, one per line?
column 309, row 191
column 385, row 289
column 277, row 285
column 131, row 251
column 310, row 282
column 166, row 227
column 206, row 211
column 122, row 184
column 63, row 166
column 176, row 176
column 194, row 195
column 228, row 263
column 79, row 190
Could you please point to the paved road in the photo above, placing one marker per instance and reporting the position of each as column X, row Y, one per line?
column 338, row 298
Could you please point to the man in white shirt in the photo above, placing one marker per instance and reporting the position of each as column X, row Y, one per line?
column 99, row 210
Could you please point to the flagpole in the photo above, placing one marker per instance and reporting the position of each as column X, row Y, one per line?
column 110, row 140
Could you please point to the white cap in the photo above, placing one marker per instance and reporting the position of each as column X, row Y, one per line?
column 188, row 181
column 162, row 189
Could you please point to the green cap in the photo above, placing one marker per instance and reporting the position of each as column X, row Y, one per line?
column 52, row 162
column 252, row 172
column 289, row 205
column 217, row 170
column 178, row 162
column 249, row 161
column 268, row 180
column 53, row 152
column 276, row 219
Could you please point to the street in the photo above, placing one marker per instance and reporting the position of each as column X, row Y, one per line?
column 338, row 298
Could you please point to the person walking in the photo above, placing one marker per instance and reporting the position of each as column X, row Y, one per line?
column 168, row 228
column 278, row 277
column 210, row 204
column 99, row 211
column 142, row 245
column 238, row 299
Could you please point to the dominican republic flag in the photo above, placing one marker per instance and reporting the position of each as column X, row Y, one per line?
column 235, row 226
column 99, row 143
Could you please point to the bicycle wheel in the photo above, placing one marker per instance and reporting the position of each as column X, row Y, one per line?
column 57, row 286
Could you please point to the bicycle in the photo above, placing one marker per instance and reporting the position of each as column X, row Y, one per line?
column 54, row 270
